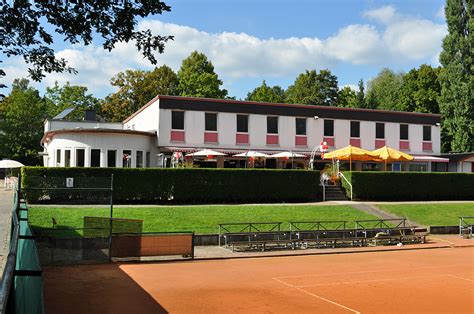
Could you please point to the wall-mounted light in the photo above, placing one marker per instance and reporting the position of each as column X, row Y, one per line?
column 438, row 124
column 316, row 117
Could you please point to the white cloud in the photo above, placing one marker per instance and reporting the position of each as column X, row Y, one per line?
column 237, row 56
column 383, row 14
column 440, row 13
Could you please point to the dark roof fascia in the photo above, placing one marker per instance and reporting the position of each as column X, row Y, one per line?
column 457, row 157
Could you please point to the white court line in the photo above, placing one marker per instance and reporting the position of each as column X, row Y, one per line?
column 461, row 278
column 372, row 280
column 368, row 271
column 316, row 296
column 443, row 240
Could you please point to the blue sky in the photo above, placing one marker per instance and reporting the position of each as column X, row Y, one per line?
column 251, row 41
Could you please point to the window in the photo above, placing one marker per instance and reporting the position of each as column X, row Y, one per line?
column 328, row 127
column 380, row 130
column 300, row 126
column 127, row 159
column 147, row 159
column 58, row 158
column 355, row 129
column 139, row 161
column 427, row 133
column 211, row 121
column 111, row 158
column 404, row 131
column 67, row 158
column 95, row 157
column 242, row 123
column 272, row 125
column 177, row 120
column 80, row 157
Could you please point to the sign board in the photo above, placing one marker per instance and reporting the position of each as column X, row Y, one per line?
column 69, row 182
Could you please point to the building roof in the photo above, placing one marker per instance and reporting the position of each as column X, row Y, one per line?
column 457, row 157
column 50, row 134
column 297, row 110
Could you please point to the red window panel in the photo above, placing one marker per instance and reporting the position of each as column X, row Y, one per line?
column 355, row 142
column 301, row 141
column 272, row 139
column 177, row 136
column 330, row 141
column 404, row 145
column 379, row 143
column 427, row 146
column 210, row 137
column 242, row 138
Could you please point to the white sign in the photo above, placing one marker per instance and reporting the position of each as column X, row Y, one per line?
column 69, row 182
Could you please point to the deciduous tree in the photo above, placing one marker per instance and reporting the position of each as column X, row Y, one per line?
column 347, row 98
column 383, row 91
column 266, row 93
column 312, row 88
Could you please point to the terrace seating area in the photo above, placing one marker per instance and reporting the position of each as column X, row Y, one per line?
column 318, row 234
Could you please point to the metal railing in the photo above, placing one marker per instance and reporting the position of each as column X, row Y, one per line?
column 340, row 174
column 466, row 224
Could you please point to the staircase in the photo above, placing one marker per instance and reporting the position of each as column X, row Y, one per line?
column 335, row 193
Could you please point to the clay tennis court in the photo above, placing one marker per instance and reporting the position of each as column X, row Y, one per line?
column 415, row 281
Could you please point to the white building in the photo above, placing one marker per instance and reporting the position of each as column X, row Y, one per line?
column 169, row 124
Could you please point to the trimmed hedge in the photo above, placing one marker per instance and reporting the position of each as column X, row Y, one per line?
column 410, row 186
column 183, row 186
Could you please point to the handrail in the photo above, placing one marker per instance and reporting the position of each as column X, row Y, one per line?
column 340, row 174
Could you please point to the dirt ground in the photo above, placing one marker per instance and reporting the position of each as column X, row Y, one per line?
column 415, row 281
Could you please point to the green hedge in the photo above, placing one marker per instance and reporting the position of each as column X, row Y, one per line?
column 180, row 186
column 411, row 186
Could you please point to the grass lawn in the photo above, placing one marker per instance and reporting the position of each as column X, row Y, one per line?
column 200, row 219
column 431, row 214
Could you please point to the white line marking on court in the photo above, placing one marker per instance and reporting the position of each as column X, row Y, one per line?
column 363, row 281
column 316, row 296
column 369, row 271
column 461, row 278
column 452, row 244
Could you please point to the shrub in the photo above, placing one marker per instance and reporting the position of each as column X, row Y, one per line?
column 411, row 186
column 184, row 185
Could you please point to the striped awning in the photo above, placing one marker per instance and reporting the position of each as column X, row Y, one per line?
column 229, row 151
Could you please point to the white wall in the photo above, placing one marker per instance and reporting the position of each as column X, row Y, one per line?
column 51, row 125
column 103, row 141
column 147, row 120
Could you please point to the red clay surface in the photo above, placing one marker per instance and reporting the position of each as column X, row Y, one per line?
column 416, row 281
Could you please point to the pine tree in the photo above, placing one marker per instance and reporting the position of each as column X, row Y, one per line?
column 457, row 78
column 361, row 95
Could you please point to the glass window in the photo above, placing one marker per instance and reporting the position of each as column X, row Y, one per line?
column 328, row 127
column 58, row 158
column 380, row 130
column 147, row 159
column 127, row 159
column 95, row 157
column 272, row 125
column 404, row 131
column 80, row 157
column 111, row 158
column 177, row 120
column 211, row 121
column 427, row 133
column 242, row 123
column 67, row 158
column 422, row 167
column 300, row 126
column 355, row 129
column 139, row 161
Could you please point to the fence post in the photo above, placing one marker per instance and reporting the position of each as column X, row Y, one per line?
column 111, row 215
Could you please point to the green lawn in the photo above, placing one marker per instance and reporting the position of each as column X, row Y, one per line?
column 431, row 214
column 200, row 219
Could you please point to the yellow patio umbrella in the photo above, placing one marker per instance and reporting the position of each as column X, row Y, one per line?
column 389, row 154
column 350, row 153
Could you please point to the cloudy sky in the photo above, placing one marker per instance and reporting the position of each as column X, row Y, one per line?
column 274, row 40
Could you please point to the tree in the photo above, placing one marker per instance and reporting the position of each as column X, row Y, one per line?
column 312, row 88
column 347, row 98
column 360, row 95
column 22, row 114
column 27, row 26
column 198, row 79
column 266, row 93
column 420, row 90
column 59, row 98
column 457, row 78
column 137, row 88
column 383, row 91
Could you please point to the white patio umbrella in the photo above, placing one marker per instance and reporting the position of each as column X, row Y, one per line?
column 287, row 155
column 253, row 154
column 205, row 153
column 8, row 164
